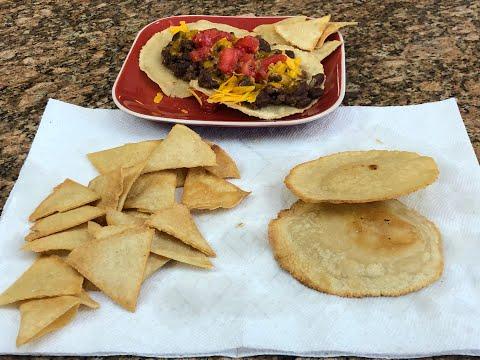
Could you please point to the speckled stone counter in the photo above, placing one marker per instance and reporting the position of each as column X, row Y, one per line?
column 402, row 52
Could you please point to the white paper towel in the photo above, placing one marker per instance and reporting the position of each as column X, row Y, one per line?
column 247, row 305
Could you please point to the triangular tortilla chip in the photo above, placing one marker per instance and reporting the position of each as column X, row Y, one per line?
column 92, row 228
column 153, row 191
column 269, row 34
column 327, row 48
column 129, row 176
column 122, row 156
column 303, row 34
column 115, row 217
column 63, row 221
column 226, row 167
column 154, row 263
column 65, row 240
column 88, row 286
column 207, row 191
column 170, row 247
column 40, row 317
column 181, row 148
column 66, row 196
column 116, row 264
column 47, row 277
column 181, row 176
column 110, row 230
column 109, row 186
column 86, row 300
column 332, row 28
column 178, row 222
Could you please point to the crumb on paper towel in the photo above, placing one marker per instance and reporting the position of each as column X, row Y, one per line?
column 240, row 225
column 378, row 141
column 158, row 97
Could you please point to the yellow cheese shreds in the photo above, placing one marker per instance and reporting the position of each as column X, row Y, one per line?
column 158, row 97
column 230, row 92
column 290, row 67
column 182, row 27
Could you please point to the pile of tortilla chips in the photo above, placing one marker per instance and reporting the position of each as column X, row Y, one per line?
column 123, row 227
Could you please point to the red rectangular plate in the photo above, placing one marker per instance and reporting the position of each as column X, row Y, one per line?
column 133, row 92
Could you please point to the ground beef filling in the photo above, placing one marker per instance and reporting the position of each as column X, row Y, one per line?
column 176, row 57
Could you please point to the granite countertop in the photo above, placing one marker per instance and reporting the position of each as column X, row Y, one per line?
column 402, row 52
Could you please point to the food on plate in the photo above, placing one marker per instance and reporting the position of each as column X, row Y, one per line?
column 115, row 264
column 63, row 221
column 226, row 167
column 46, row 277
column 182, row 148
column 152, row 191
column 102, row 232
column 115, row 217
column 327, row 48
column 303, row 33
column 65, row 240
column 129, row 176
column 109, row 186
column 66, row 196
column 178, row 222
column 332, row 28
column 269, row 34
column 357, row 250
column 203, row 190
column 361, row 176
column 92, row 228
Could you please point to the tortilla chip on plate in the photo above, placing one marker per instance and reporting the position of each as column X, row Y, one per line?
column 332, row 28
column 47, row 277
column 303, row 34
column 361, row 176
column 327, row 48
column 182, row 147
column 65, row 240
column 269, row 34
column 226, row 167
column 129, row 176
column 110, row 187
column 178, row 222
column 63, row 221
column 115, row 217
column 152, row 191
column 116, row 264
column 203, row 190
column 42, row 316
column 126, row 155
column 66, row 196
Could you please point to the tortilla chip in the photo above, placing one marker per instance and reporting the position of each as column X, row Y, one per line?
column 40, row 317
column 327, row 48
column 153, row 191
column 115, row 217
column 66, row 240
column 92, row 228
column 47, row 277
column 88, row 286
column 361, row 176
column 207, row 191
column 178, row 222
column 63, row 221
column 356, row 250
column 303, row 34
column 109, row 186
column 269, row 34
column 181, row 148
column 332, row 28
column 66, row 196
column 150, row 60
column 110, row 230
column 129, row 176
column 226, row 167
column 154, row 262
column 116, row 264
column 86, row 300
column 126, row 155
column 181, row 176
column 170, row 247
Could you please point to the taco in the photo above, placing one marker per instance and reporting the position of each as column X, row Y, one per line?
column 233, row 67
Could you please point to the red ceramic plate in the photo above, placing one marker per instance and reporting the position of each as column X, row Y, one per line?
column 133, row 92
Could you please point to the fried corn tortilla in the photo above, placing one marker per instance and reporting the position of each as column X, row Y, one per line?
column 126, row 155
column 153, row 191
column 327, row 48
column 361, row 176
column 203, row 190
column 65, row 240
column 226, row 167
column 357, row 250
column 40, row 317
column 154, row 262
column 178, row 222
column 129, row 176
column 110, row 230
column 63, row 221
column 110, row 187
column 116, row 264
column 115, row 217
column 181, row 176
column 47, row 277
column 332, row 28
column 66, row 196
column 182, row 147
column 86, row 300
column 93, row 228
column 268, row 33
column 302, row 34
column 150, row 60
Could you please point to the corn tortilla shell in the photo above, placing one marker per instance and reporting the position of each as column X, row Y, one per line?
column 115, row 217
column 65, row 240
column 332, row 28
column 357, row 250
column 226, row 167
column 110, row 187
column 154, row 262
column 302, row 34
column 269, row 34
column 361, row 176
column 129, row 176
column 327, row 48
column 86, row 300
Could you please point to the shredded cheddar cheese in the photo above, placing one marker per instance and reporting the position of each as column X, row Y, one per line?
column 230, row 92
column 158, row 97
column 182, row 27
column 290, row 68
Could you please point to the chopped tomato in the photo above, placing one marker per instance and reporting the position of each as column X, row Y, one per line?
column 249, row 44
column 262, row 72
column 209, row 37
column 228, row 59
column 200, row 53
column 246, row 65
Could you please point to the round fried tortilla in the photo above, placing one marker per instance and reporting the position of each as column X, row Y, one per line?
column 310, row 62
column 357, row 250
column 150, row 60
column 361, row 176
